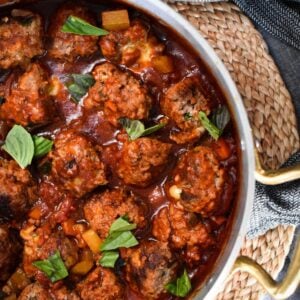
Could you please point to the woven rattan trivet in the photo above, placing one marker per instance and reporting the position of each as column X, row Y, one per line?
column 271, row 114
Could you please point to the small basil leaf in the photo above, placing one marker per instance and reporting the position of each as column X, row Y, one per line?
column 76, row 25
column 136, row 129
column 181, row 286
column 121, row 225
column 19, row 145
column 221, row 117
column 41, row 146
column 209, row 126
column 153, row 129
column 79, row 85
column 109, row 259
column 123, row 239
column 187, row 116
column 53, row 267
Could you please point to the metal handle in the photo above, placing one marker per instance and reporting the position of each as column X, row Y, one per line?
column 278, row 290
column 270, row 177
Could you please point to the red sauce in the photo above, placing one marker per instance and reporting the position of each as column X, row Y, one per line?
column 101, row 132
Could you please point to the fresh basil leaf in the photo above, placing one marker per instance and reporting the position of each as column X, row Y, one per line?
column 214, row 131
column 41, row 146
column 187, row 116
column 181, row 286
column 76, row 25
column 221, row 117
column 109, row 259
column 53, row 267
column 19, row 145
column 121, row 225
column 136, row 128
column 123, row 239
column 79, row 85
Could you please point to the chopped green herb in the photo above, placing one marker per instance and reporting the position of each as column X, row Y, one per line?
column 19, row 145
column 221, row 117
column 109, row 259
column 214, row 131
column 187, row 116
column 79, row 85
column 76, row 25
column 181, row 286
column 121, row 225
column 53, row 267
column 41, row 146
column 136, row 128
column 123, row 239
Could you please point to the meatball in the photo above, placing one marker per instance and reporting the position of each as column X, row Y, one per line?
column 76, row 163
column 34, row 291
column 41, row 242
column 181, row 103
column 149, row 267
column 100, row 284
column 10, row 250
column 27, row 101
column 103, row 209
column 20, row 38
column 198, row 181
column 184, row 230
column 118, row 94
column 64, row 294
column 17, row 190
column 134, row 47
column 69, row 46
column 142, row 160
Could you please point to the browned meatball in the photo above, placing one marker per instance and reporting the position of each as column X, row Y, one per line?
column 100, row 284
column 149, row 267
column 10, row 250
column 134, row 47
column 20, row 38
column 34, row 291
column 64, row 294
column 40, row 243
column 182, row 102
column 118, row 94
column 68, row 46
column 26, row 101
column 184, row 230
column 103, row 209
column 17, row 190
column 76, row 163
column 198, row 181
column 142, row 160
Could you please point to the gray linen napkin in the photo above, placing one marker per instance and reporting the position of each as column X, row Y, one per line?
column 279, row 23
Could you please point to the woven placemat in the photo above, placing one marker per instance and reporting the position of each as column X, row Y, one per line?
column 271, row 114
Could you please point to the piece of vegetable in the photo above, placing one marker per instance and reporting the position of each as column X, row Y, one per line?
column 83, row 267
column 53, row 267
column 212, row 129
column 41, row 146
column 79, row 85
column 121, row 224
column 109, row 259
column 92, row 239
column 222, row 149
column 115, row 20
column 19, row 145
column 221, row 117
column 136, row 128
column 35, row 213
column 181, row 286
column 117, row 240
column 175, row 192
column 163, row 64
column 76, row 25
column 68, row 227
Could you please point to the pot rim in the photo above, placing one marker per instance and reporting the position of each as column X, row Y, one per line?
column 167, row 16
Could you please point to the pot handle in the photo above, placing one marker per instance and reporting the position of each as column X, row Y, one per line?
column 273, row 177
column 278, row 290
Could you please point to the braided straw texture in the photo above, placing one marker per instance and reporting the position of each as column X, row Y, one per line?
column 271, row 114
